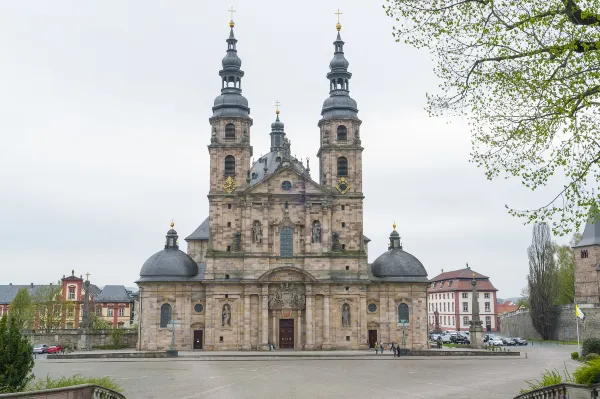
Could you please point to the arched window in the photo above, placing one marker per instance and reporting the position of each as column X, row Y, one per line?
column 403, row 313
column 342, row 166
column 230, row 131
column 229, row 165
column 165, row 315
column 286, row 242
column 342, row 133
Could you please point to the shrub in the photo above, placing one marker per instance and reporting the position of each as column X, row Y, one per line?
column 590, row 345
column 549, row 378
column 16, row 360
column 77, row 379
column 116, row 337
column 589, row 373
column 574, row 355
column 590, row 356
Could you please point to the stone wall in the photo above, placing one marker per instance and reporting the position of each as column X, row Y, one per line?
column 565, row 329
column 71, row 338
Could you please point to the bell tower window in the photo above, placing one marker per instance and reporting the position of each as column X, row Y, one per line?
column 230, row 131
column 229, row 165
column 342, row 166
column 584, row 254
column 342, row 133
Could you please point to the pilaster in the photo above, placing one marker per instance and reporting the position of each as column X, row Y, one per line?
column 247, row 326
column 310, row 345
column 326, row 333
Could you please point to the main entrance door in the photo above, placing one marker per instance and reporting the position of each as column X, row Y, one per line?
column 372, row 338
column 286, row 333
column 197, row 339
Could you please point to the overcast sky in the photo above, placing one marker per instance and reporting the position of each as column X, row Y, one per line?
column 104, row 111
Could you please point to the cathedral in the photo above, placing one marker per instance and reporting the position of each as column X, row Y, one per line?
column 281, row 258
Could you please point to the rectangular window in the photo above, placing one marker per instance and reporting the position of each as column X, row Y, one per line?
column 110, row 312
column 121, row 312
column 444, row 320
column 465, row 320
column 70, row 312
column 465, row 306
column 444, row 296
column 488, row 320
column 486, row 295
column 71, row 292
column 99, row 310
column 286, row 244
column 444, row 306
column 487, row 306
column 465, row 295
column 453, row 306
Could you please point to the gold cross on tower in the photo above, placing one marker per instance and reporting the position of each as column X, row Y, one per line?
column 338, row 26
column 231, row 11
column 277, row 105
column 87, row 276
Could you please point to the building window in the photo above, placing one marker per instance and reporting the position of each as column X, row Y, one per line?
column 442, row 284
column 120, row 324
column 347, row 267
column 110, row 312
column 486, row 295
column 488, row 320
column 347, row 338
column 198, row 308
column 99, row 310
column 342, row 133
column 487, row 306
column 286, row 186
column 465, row 306
column 444, row 306
column 453, row 306
column 220, row 339
column 444, row 295
column 57, row 311
column 403, row 313
column 70, row 326
column 228, row 206
column 584, row 253
column 230, row 131
column 343, row 207
column 450, row 283
column 465, row 295
column 343, row 225
column 121, row 312
column 342, row 166
column 286, row 245
column 229, row 165
column 70, row 311
column 165, row 315
column 71, row 292
column 372, row 308
column 465, row 320
column 445, row 321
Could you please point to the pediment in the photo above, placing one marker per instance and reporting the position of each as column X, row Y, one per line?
column 301, row 184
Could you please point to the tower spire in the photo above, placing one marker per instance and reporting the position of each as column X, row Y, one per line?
column 277, row 131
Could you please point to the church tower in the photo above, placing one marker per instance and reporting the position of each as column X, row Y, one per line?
column 340, row 152
column 230, row 149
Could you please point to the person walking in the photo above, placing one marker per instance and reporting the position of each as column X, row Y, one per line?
column 439, row 342
column 376, row 347
column 381, row 347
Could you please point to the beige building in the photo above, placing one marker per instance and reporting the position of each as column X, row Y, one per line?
column 282, row 258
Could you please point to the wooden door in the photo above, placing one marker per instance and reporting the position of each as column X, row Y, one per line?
column 197, row 339
column 372, row 338
column 286, row 333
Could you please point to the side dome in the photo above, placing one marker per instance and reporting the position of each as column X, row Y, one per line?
column 170, row 262
column 396, row 262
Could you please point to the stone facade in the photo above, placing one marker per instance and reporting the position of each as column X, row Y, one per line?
column 587, row 285
column 282, row 258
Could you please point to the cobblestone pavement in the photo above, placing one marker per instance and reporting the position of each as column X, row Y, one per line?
column 435, row 377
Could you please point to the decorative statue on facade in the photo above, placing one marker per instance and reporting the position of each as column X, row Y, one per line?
column 316, row 232
column 335, row 244
column 237, row 242
column 287, row 144
column 287, row 296
column 346, row 315
column 326, row 137
column 226, row 316
column 356, row 137
column 245, row 138
column 213, row 137
column 256, row 232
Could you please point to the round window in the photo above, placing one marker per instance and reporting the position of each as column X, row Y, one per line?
column 372, row 308
column 286, row 186
column 198, row 308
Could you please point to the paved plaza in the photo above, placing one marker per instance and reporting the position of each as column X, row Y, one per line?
column 377, row 376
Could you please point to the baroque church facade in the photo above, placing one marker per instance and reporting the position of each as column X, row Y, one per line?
column 282, row 257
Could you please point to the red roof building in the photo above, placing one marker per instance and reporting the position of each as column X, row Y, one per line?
column 450, row 300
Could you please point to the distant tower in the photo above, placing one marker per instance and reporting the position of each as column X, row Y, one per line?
column 587, row 265
column 340, row 152
column 230, row 150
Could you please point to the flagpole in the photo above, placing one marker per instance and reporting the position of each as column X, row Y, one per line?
column 578, row 349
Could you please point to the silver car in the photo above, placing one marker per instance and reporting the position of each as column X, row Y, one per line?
column 41, row 348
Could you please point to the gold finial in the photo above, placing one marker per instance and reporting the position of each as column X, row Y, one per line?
column 338, row 26
column 172, row 223
column 394, row 225
column 473, row 276
column 231, row 11
column 277, row 104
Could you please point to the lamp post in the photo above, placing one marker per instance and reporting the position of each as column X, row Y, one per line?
column 86, row 315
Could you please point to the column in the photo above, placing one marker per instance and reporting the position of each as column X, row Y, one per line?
column 363, row 344
column 264, row 328
column 246, row 344
column 274, row 329
column 298, row 345
column 309, row 319
column 392, row 318
column 208, row 321
column 326, row 338
column 326, row 230
column 246, row 221
column 307, row 229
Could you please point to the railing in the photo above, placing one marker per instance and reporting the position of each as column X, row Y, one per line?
column 563, row 391
column 84, row 391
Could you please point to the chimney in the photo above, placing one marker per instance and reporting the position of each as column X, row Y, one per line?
column 10, row 284
column 31, row 285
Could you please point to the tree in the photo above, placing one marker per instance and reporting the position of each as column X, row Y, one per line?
column 542, row 280
column 523, row 301
column 526, row 75
column 98, row 323
column 22, row 309
column 16, row 361
column 49, row 306
column 565, row 262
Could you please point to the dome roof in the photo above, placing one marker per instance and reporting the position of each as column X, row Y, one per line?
column 231, row 59
column 339, row 106
column 397, row 263
column 339, row 62
column 170, row 262
column 277, row 125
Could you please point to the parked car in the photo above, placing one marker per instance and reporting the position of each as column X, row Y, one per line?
column 520, row 341
column 42, row 348
column 508, row 341
column 495, row 341
column 459, row 338
column 55, row 349
column 446, row 338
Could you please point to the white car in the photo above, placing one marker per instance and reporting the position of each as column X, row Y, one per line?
column 446, row 338
column 495, row 341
